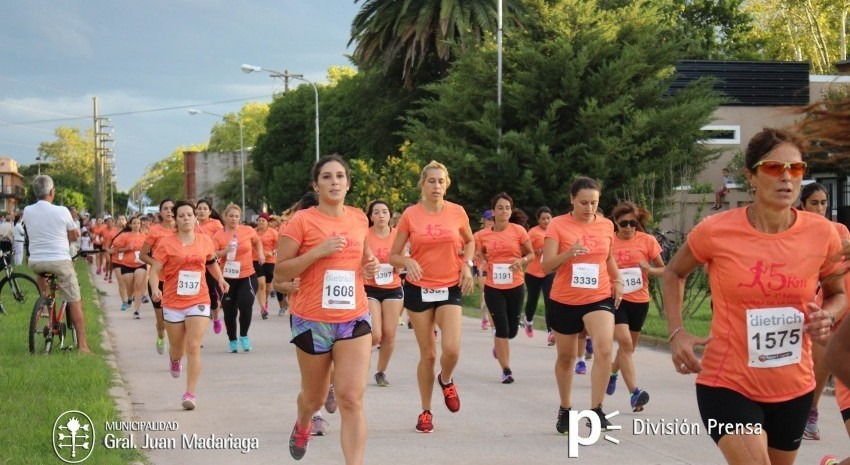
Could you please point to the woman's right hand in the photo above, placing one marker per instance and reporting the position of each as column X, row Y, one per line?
column 414, row 271
column 331, row 246
column 577, row 249
column 156, row 294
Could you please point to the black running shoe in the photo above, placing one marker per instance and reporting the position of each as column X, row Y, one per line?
column 563, row 424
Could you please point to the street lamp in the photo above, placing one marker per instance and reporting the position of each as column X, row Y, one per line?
column 247, row 69
column 38, row 160
column 241, row 150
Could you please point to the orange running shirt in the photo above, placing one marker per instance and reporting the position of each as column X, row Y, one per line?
column 134, row 242
column 476, row 238
column 109, row 235
column 183, row 268
column 501, row 249
column 381, row 249
column 760, row 284
column 537, row 235
column 269, row 240
column 209, row 227
column 245, row 236
column 157, row 232
column 629, row 253
column 434, row 238
column 591, row 282
column 330, row 277
column 96, row 232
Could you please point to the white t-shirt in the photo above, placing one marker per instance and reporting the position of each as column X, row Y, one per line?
column 47, row 227
column 18, row 232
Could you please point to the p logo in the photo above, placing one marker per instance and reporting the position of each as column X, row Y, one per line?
column 575, row 439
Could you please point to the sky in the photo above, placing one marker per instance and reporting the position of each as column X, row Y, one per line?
column 135, row 56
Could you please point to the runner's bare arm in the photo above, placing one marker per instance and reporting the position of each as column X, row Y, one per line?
column 290, row 264
column 258, row 245
column 552, row 260
column 153, row 279
column 838, row 352
column 397, row 258
column 672, row 293
column 145, row 255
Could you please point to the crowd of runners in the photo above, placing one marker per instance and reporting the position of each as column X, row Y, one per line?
column 776, row 271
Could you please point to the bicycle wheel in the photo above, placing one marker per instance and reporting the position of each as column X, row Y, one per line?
column 40, row 335
column 21, row 286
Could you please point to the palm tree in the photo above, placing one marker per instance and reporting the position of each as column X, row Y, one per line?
column 411, row 33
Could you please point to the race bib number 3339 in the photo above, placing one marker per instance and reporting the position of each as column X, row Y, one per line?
column 774, row 336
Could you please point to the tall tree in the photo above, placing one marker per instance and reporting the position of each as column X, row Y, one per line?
column 224, row 135
column 408, row 37
column 802, row 30
column 360, row 118
column 585, row 94
column 69, row 160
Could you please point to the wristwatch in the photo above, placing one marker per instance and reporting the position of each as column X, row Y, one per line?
column 469, row 263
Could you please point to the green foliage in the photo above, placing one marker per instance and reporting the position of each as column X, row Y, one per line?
column 701, row 188
column 69, row 160
column 164, row 179
column 403, row 38
column 713, row 29
column 801, row 30
column 360, row 118
column 394, row 182
column 224, row 136
column 585, row 94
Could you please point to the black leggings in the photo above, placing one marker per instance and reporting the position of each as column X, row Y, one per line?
column 504, row 306
column 534, row 284
column 240, row 298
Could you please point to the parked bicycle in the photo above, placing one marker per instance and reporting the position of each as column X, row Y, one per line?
column 21, row 286
column 50, row 323
column 670, row 241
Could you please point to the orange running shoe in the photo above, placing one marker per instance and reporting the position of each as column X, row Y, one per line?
column 450, row 394
column 424, row 424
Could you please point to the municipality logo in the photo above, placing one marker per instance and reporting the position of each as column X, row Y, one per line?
column 73, row 436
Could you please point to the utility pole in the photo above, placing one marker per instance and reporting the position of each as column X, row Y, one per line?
column 98, row 167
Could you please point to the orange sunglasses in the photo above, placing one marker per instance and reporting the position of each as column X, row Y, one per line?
column 775, row 168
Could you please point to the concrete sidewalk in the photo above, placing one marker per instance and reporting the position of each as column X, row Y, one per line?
column 249, row 398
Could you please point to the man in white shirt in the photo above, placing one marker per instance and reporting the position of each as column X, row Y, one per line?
column 51, row 230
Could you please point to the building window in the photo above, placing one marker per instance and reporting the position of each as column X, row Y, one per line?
column 721, row 134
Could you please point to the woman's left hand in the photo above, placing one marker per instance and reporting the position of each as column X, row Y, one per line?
column 819, row 323
column 370, row 268
column 517, row 264
column 466, row 282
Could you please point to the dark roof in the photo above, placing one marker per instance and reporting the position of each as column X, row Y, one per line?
column 751, row 83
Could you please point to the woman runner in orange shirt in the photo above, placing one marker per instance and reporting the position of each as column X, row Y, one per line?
column 535, row 280
column 638, row 256
column 235, row 245
column 436, row 276
column 585, row 293
column 265, row 272
column 180, row 260
column 755, row 379
column 386, row 297
column 128, row 246
column 210, row 225
column 326, row 248
column 156, row 232
column 505, row 248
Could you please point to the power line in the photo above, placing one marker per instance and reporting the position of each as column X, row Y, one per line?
column 138, row 112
